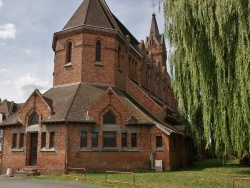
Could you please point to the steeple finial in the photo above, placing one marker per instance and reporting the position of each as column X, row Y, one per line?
column 153, row 5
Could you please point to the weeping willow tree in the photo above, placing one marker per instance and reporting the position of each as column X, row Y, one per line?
column 210, row 66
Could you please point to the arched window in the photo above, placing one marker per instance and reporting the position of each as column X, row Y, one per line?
column 33, row 119
column 98, row 52
column 69, row 52
column 119, row 58
column 109, row 118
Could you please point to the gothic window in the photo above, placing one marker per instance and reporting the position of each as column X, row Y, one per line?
column 69, row 52
column 34, row 119
column 119, row 58
column 109, row 118
column 98, row 52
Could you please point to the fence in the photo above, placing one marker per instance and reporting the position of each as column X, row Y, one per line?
column 240, row 179
column 122, row 182
column 76, row 169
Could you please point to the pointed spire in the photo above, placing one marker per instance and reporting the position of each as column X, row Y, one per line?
column 154, row 28
column 92, row 13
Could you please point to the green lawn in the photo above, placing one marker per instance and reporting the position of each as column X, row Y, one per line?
column 209, row 173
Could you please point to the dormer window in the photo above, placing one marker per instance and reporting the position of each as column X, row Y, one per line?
column 109, row 118
column 98, row 52
column 34, row 119
column 69, row 53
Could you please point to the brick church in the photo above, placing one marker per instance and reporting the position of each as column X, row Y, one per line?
column 111, row 106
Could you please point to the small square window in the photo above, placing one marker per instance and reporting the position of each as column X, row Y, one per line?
column 158, row 141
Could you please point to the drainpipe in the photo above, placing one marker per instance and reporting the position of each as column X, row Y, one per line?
column 66, row 148
column 150, row 152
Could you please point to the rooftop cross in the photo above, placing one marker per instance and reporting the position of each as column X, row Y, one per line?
column 153, row 5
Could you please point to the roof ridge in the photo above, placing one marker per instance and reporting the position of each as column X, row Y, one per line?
column 72, row 102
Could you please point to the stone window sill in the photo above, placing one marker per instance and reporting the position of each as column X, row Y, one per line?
column 130, row 149
column 160, row 149
column 47, row 150
column 109, row 149
column 68, row 64
column 17, row 150
column 97, row 63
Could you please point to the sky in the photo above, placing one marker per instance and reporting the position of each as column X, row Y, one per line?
column 26, row 34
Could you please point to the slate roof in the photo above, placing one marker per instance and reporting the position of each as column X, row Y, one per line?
column 70, row 103
column 10, row 109
column 96, row 13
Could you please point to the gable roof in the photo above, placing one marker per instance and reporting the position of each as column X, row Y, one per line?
column 70, row 103
column 8, row 108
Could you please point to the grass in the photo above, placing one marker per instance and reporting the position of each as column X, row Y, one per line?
column 205, row 174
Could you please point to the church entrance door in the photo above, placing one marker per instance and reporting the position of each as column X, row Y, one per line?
column 33, row 149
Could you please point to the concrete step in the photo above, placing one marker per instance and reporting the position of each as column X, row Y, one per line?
column 28, row 171
column 25, row 173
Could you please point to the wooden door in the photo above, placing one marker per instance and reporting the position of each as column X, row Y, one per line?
column 33, row 149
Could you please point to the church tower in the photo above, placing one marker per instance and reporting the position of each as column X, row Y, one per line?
column 155, row 43
column 90, row 46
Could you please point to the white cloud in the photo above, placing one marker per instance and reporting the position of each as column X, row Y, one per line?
column 1, row 3
column 28, row 83
column 8, row 31
column 27, row 51
column 4, row 72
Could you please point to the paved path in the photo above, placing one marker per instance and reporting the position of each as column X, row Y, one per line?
column 27, row 183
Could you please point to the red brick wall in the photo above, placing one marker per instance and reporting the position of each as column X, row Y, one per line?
column 139, row 95
column 108, row 160
column 11, row 159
